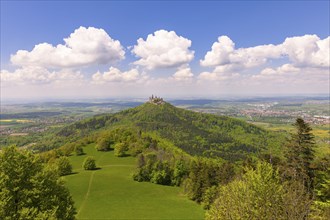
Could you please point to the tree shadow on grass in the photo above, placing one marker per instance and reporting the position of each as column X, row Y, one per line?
column 73, row 173
column 96, row 168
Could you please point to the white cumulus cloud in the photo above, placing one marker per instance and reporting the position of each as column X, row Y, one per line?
column 183, row 74
column 218, row 76
column 305, row 55
column 285, row 70
column 38, row 75
column 288, row 76
column 220, row 52
column 223, row 54
column 85, row 46
column 116, row 75
column 308, row 51
column 163, row 49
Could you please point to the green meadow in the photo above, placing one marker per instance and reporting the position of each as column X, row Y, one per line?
column 111, row 193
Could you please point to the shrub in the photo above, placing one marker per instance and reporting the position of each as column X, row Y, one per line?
column 160, row 177
column 63, row 166
column 89, row 163
column 78, row 150
column 120, row 149
column 103, row 144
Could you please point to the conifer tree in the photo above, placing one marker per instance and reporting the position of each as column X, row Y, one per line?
column 300, row 151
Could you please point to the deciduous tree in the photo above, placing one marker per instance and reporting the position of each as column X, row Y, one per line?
column 63, row 166
column 78, row 150
column 257, row 196
column 103, row 143
column 28, row 190
column 120, row 149
column 89, row 163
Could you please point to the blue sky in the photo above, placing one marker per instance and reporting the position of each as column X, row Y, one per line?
column 246, row 24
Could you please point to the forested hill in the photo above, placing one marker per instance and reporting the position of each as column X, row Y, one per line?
column 195, row 133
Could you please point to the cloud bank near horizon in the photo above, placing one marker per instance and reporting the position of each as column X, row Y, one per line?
column 298, row 64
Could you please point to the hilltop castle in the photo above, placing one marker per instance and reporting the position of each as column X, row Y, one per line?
column 156, row 100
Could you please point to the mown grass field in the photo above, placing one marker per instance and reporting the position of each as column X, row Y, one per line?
column 111, row 193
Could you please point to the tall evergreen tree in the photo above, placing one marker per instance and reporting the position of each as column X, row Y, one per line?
column 300, row 150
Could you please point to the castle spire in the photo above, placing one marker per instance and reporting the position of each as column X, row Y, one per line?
column 156, row 100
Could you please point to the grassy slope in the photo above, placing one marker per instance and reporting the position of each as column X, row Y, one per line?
column 110, row 193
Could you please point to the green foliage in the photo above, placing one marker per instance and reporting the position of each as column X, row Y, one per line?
column 89, row 163
column 104, row 143
column 209, row 196
column 200, row 179
column 63, row 166
column 160, row 167
column 296, row 201
column 161, row 177
column 307, row 178
column 197, row 175
column 205, row 173
column 78, row 150
column 150, row 130
column 322, row 189
column 194, row 133
column 257, row 196
column 300, row 152
column 260, row 194
column 146, row 167
column 67, row 149
column 180, row 172
column 120, row 149
column 29, row 190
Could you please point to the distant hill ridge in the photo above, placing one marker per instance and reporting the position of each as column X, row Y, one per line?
column 195, row 133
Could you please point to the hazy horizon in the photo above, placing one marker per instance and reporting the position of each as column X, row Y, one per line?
column 166, row 98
